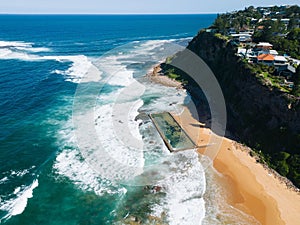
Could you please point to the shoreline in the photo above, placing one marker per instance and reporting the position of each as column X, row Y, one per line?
column 251, row 187
column 156, row 76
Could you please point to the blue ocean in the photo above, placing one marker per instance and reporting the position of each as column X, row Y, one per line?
column 75, row 144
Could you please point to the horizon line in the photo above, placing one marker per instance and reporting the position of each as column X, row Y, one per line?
column 196, row 13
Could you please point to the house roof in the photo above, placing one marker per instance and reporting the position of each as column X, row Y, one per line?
column 280, row 58
column 264, row 44
column 266, row 57
column 291, row 68
column 241, row 35
column 260, row 27
column 273, row 52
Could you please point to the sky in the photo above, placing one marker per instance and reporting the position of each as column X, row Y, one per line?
column 131, row 6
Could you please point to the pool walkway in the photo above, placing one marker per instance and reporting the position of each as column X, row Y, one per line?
column 173, row 135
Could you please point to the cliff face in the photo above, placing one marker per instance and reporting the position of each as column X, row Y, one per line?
column 251, row 105
column 259, row 115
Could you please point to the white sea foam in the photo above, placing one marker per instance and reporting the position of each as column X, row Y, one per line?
column 70, row 164
column 21, row 173
column 11, row 174
column 118, row 74
column 15, row 44
column 34, row 49
column 3, row 180
column 121, row 156
column 23, row 46
column 17, row 204
column 112, row 144
column 7, row 53
column 184, row 187
column 165, row 99
column 81, row 70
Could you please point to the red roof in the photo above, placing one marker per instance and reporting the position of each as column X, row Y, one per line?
column 266, row 57
column 260, row 27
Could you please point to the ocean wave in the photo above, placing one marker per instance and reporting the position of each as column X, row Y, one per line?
column 184, row 187
column 70, row 164
column 80, row 68
column 117, row 72
column 23, row 46
column 13, row 174
column 17, row 202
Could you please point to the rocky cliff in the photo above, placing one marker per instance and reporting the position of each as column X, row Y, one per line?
column 259, row 115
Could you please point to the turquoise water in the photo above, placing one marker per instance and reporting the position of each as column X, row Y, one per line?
column 44, row 179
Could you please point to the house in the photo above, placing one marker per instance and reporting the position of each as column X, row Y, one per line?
column 285, row 21
column 294, row 61
column 266, row 59
column 280, row 61
column 243, row 52
column 265, row 51
column 273, row 52
column 210, row 31
column 247, row 31
column 253, row 21
column 242, row 37
column 260, row 28
column 231, row 31
column 287, row 71
column 263, row 46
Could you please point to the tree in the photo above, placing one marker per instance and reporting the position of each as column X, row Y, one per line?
column 267, row 33
column 296, row 88
column 278, row 27
column 221, row 23
column 292, row 24
column 294, row 34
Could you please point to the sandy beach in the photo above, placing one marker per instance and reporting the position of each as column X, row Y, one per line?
column 250, row 186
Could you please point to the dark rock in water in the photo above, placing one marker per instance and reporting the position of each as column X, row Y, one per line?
column 172, row 103
column 141, row 116
column 156, row 189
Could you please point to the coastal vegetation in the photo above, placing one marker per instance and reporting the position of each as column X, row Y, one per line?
column 296, row 89
column 277, row 25
column 262, row 113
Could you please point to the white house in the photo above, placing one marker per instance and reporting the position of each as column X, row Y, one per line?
column 264, row 45
column 280, row 61
column 273, row 52
column 244, row 37
column 285, row 21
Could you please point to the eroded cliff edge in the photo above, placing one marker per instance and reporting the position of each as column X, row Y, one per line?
column 258, row 114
